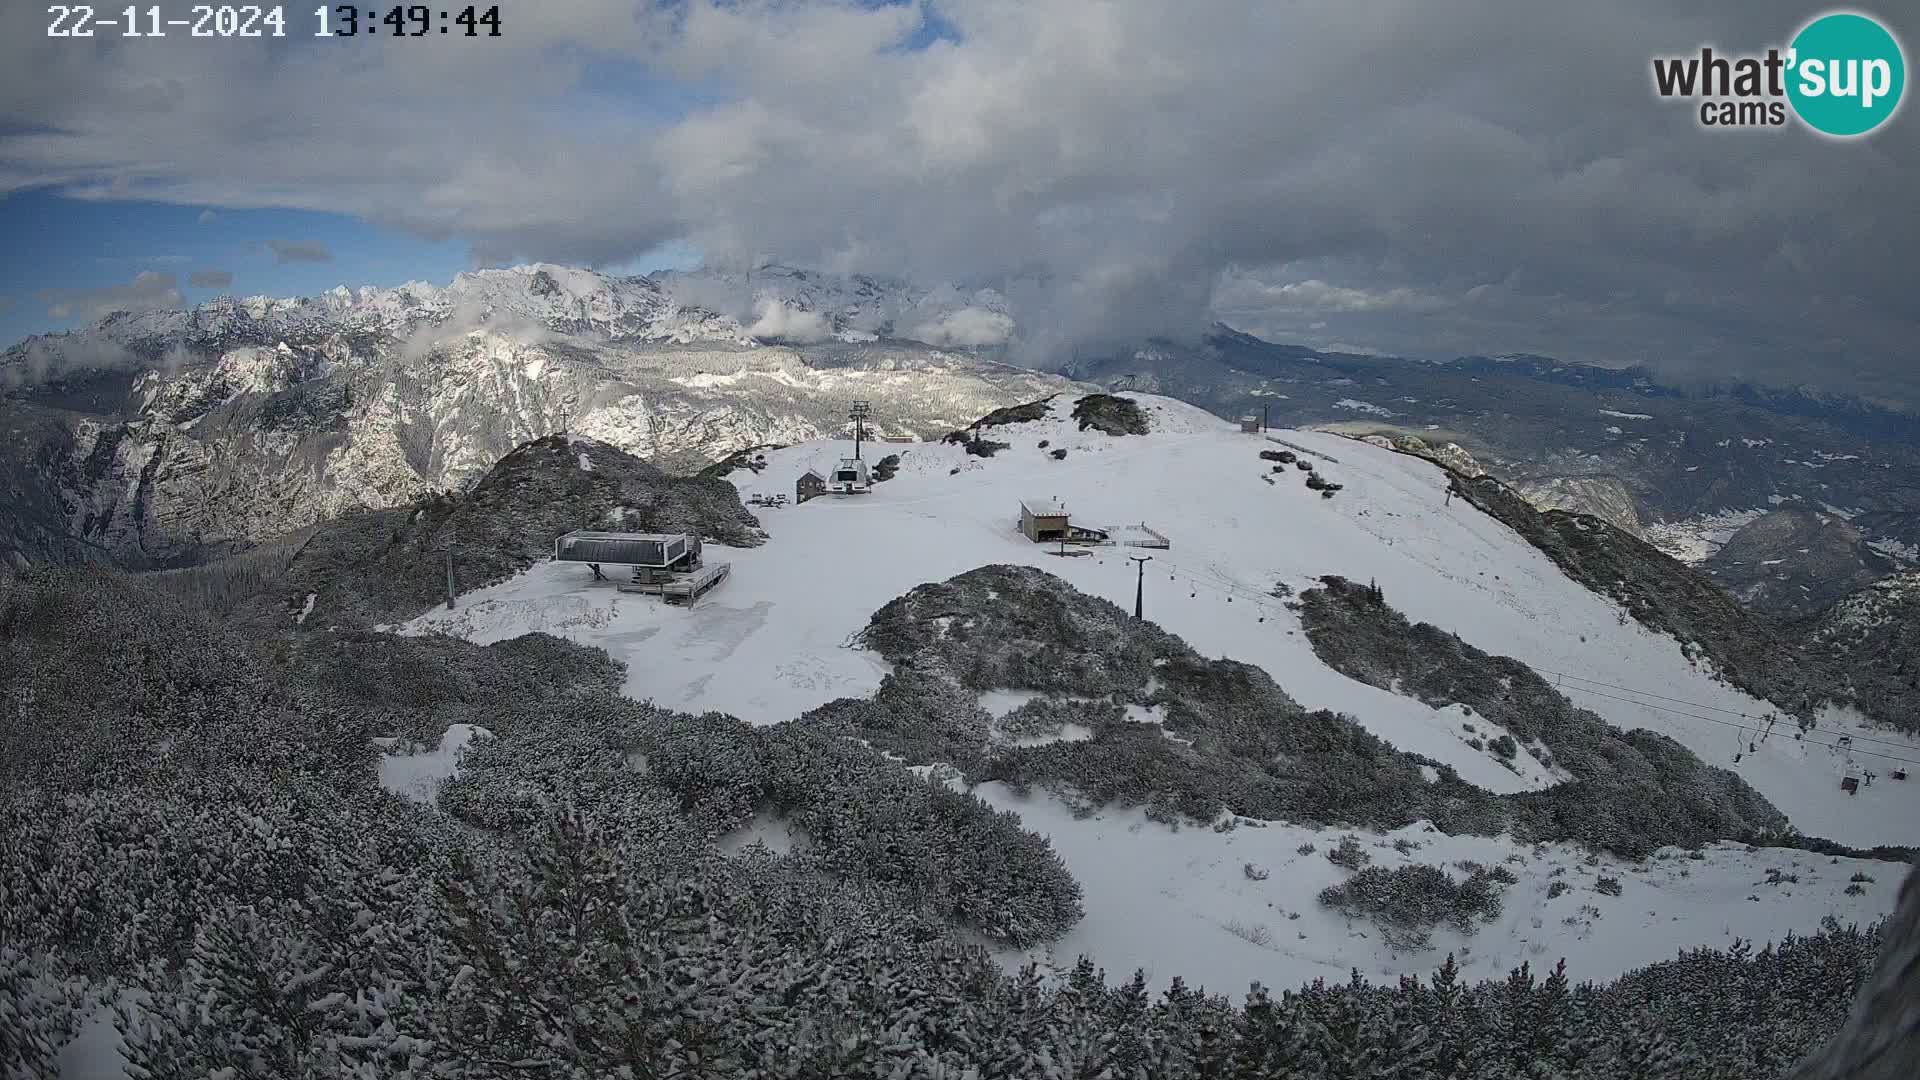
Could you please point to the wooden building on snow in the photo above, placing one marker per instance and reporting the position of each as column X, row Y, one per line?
column 809, row 485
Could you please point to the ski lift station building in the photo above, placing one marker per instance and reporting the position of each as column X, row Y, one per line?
column 850, row 477
column 667, row 565
column 1043, row 520
column 655, row 551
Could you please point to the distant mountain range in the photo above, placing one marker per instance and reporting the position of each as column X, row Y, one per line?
column 1687, row 469
column 163, row 438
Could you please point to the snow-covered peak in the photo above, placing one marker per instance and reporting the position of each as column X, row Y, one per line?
column 773, row 305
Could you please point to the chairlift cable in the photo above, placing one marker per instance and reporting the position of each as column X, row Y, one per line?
column 1712, row 708
column 1729, row 723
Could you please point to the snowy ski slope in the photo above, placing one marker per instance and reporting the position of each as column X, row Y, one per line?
column 774, row 642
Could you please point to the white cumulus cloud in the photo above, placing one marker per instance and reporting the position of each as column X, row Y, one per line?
column 967, row 327
column 776, row 321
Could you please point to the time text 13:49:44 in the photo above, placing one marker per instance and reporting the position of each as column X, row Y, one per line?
column 413, row 20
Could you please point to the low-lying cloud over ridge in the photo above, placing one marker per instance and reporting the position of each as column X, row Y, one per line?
column 1421, row 178
column 150, row 290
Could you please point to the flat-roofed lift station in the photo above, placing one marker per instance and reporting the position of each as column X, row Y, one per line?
column 668, row 565
column 659, row 550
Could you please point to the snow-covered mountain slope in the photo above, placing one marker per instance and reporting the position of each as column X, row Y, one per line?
column 1183, row 902
column 780, row 638
column 161, row 437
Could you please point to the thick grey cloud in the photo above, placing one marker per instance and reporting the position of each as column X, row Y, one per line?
column 1482, row 176
column 210, row 279
column 296, row 251
column 149, row 290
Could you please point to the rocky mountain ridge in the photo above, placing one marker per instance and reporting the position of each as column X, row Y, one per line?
column 162, row 438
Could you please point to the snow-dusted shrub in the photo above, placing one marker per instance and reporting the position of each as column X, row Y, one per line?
column 1349, row 854
column 1255, row 934
column 973, row 443
column 1409, row 901
column 870, row 818
column 1047, row 716
column 415, row 687
column 915, row 713
column 1113, row 415
column 1018, row 414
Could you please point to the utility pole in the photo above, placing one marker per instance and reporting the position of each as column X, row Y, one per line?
column 1139, row 581
column 859, row 415
column 1266, row 415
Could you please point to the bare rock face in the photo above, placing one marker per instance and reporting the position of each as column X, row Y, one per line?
column 1604, row 497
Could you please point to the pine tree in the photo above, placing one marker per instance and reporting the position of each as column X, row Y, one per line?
column 40, row 1012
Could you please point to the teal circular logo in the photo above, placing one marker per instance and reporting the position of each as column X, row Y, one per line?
column 1846, row 74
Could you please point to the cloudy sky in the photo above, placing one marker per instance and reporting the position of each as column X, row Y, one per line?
column 1403, row 176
